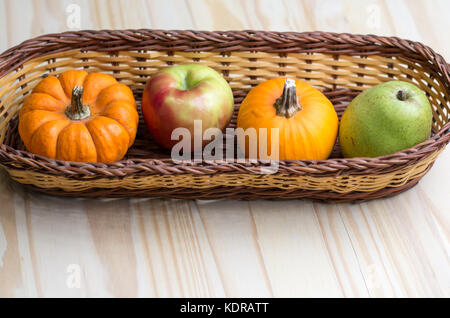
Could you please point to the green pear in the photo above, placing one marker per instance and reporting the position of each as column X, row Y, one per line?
column 384, row 119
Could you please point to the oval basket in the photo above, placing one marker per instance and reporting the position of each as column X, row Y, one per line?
column 341, row 65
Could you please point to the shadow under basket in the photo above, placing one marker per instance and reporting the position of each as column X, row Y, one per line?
column 341, row 65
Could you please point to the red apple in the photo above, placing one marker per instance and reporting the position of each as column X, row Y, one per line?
column 178, row 95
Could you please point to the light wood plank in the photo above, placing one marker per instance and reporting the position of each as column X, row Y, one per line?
column 58, row 235
column 342, row 254
column 231, row 232
column 177, row 249
column 291, row 242
column 11, row 279
column 399, row 247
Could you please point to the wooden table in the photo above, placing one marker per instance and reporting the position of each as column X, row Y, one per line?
column 52, row 246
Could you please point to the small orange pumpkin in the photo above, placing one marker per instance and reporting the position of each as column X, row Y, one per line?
column 79, row 117
column 306, row 119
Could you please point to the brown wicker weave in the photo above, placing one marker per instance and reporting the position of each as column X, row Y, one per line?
column 342, row 65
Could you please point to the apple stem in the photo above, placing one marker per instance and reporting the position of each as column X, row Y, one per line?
column 401, row 95
column 287, row 104
column 76, row 109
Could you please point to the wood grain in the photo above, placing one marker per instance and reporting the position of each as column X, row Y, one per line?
column 167, row 248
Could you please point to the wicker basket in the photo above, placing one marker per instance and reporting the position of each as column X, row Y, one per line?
column 341, row 65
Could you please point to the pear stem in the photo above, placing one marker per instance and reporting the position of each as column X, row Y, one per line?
column 287, row 104
column 401, row 95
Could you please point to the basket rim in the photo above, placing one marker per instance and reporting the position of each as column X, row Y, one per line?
column 246, row 40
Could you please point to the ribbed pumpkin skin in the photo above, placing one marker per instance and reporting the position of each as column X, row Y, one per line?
column 310, row 134
column 104, row 136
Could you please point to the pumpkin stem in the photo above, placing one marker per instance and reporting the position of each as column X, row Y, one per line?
column 287, row 104
column 76, row 109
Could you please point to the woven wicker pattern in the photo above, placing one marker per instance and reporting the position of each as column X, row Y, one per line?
column 341, row 65
column 338, row 184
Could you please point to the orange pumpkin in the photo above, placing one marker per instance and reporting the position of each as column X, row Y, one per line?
column 306, row 120
column 79, row 117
